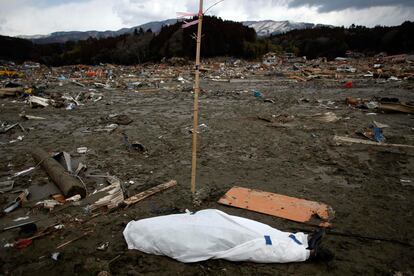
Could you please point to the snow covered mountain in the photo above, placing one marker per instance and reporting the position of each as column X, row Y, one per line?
column 262, row 28
column 270, row 27
column 62, row 37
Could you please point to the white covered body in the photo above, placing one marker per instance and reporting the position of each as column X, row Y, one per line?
column 213, row 234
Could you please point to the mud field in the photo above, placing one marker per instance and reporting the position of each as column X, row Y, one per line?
column 242, row 144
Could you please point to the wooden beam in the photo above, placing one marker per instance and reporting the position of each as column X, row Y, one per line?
column 138, row 197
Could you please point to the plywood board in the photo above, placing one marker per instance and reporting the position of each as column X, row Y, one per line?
column 296, row 209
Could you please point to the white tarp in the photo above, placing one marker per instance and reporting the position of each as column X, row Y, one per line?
column 213, row 234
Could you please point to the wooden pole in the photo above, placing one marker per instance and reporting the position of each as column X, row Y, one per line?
column 196, row 92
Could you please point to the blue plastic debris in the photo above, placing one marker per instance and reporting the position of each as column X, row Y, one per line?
column 257, row 94
column 378, row 136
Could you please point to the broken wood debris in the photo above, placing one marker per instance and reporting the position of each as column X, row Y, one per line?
column 114, row 195
column 367, row 142
column 138, row 197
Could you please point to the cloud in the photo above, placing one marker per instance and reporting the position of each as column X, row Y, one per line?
column 25, row 18
column 338, row 5
column 2, row 23
column 135, row 12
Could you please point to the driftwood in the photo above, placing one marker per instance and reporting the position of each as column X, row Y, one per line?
column 68, row 184
column 138, row 197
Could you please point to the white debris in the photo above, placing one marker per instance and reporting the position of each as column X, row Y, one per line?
column 59, row 226
column 103, row 246
column 21, row 218
column 23, row 172
column 82, row 150
column 55, row 256
column 49, row 203
column 35, row 100
column 73, row 198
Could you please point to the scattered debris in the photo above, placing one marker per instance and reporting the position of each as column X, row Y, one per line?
column 64, row 244
column 349, row 84
column 59, row 226
column 103, row 246
column 257, row 94
column 23, row 243
column 328, row 117
column 11, row 92
column 21, row 218
column 49, row 204
column 4, row 127
column 107, row 128
column 397, row 107
column 6, row 186
column 73, row 198
column 36, row 101
column 82, row 150
column 55, row 256
column 133, row 146
column 17, row 202
column 24, row 172
column 31, row 117
column 373, row 133
column 406, row 182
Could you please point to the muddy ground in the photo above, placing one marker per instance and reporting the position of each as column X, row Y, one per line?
column 360, row 182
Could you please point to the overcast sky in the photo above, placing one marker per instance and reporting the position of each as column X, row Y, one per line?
column 29, row 17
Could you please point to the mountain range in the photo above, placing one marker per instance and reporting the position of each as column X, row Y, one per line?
column 262, row 28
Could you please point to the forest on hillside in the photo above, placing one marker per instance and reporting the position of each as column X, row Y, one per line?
column 220, row 38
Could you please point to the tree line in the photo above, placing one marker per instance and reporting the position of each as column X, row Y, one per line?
column 220, row 38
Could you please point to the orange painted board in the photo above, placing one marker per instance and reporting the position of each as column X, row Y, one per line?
column 296, row 209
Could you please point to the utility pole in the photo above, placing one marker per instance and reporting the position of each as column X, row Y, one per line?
column 196, row 92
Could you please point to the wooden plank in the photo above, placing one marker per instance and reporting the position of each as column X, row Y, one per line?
column 396, row 107
column 296, row 209
column 138, row 197
column 368, row 142
column 11, row 92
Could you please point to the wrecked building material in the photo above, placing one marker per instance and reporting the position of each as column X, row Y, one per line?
column 397, row 107
column 296, row 209
column 112, row 195
column 367, row 142
column 11, row 92
column 138, row 197
column 38, row 101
